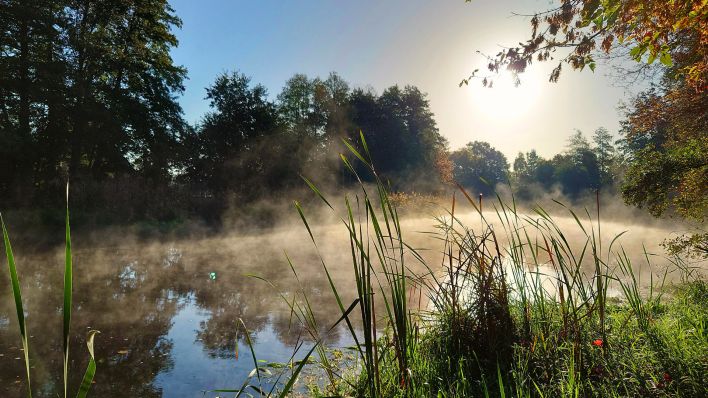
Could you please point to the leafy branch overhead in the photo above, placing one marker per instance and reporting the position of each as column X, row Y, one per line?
column 576, row 31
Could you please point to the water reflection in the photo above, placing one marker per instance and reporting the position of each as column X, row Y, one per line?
column 168, row 328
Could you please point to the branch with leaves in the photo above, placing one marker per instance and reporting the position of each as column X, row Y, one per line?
column 578, row 31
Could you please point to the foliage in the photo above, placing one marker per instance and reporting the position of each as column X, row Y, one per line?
column 401, row 132
column 249, row 146
column 88, row 88
column 665, row 147
column 479, row 167
column 88, row 91
column 242, row 116
column 605, row 154
column 576, row 31
column 664, row 138
column 580, row 169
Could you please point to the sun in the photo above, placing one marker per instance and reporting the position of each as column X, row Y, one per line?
column 504, row 100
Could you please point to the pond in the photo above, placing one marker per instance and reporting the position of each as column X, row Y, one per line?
column 169, row 311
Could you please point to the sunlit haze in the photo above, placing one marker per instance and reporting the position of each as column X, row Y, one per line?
column 432, row 45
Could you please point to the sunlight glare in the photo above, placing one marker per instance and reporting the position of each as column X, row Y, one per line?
column 504, row 101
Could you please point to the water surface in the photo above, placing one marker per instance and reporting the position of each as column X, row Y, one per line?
column 168, row 311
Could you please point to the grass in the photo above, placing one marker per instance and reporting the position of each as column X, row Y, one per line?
column 514, row 308
column 66, row 311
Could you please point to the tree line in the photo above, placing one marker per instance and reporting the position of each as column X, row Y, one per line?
column 89, row 93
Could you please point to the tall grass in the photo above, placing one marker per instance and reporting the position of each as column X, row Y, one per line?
column 515, row 308
column 383, row 281
column 17, row 295
column 67, row 301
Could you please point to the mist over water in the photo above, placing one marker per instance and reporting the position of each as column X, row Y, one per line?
column 168, row 310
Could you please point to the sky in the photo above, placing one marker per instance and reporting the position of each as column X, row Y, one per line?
column 430, row 44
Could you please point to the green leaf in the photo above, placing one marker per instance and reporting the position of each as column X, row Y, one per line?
column 316, row 191
column 598, row 21
column 17, row 295
column 68, row 289
column 250, row 347
column 637, row 52
column 90, row 369
column 666, row 59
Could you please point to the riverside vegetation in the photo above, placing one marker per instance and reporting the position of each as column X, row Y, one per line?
column 510, row 311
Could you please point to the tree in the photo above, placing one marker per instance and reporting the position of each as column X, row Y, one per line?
column 546, row 173
column 664, row 140
column 91, row 85
column 578, row 143
column 309, row 110
column 575, row 33
column 605, row 154
column 665, row 149
column 521, row 168
column 532, row 172
column 123, row 82
column 30, row 84
column 577, row 170
column 523, row 177
column 228, row 134
column 401, row 132
column 479, row 166
column 332, row 99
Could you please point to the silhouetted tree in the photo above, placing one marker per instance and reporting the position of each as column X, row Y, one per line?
column 89, row 86
column 479, row 166
column 401, row 132
column 223, row 151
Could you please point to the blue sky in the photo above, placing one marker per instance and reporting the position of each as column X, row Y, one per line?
column 430, row 44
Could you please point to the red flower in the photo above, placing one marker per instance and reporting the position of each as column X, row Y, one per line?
column 667, row 377
column 597, row 342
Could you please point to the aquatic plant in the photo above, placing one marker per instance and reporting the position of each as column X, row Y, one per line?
column 516, row 308
column 66, row 330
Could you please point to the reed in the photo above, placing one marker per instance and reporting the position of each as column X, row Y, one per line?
column 515, row 308
column 67, row 307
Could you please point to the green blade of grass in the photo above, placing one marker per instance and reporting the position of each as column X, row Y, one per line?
column 250, row 347
column 316, row 191
column 356, row 153
column 68, row 289
column 17, row 294
column 90, row 369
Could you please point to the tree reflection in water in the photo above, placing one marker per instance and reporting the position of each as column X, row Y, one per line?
column 164, row 323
